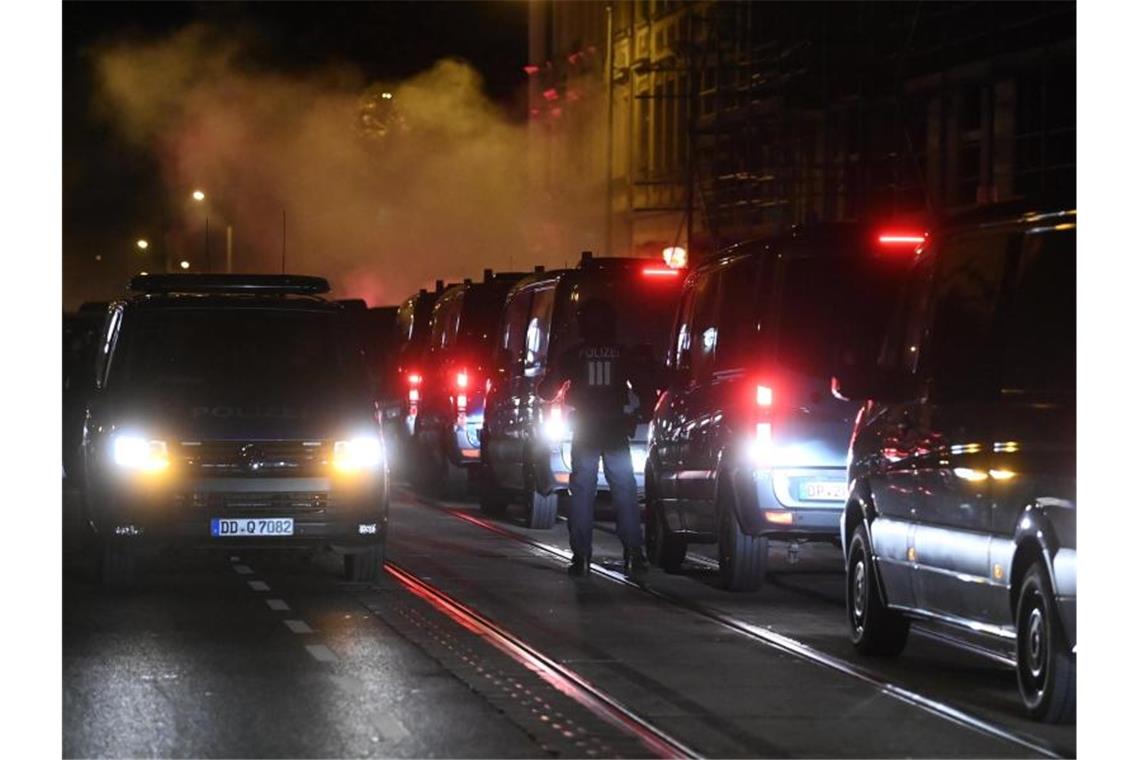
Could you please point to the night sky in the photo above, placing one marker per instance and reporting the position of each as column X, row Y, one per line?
column 110, row 191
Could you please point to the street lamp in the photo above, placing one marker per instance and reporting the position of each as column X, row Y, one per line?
column 142, row 244
column 184, row 264
column 198, row 195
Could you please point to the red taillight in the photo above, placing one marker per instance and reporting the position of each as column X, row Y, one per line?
column 461, row 379
column 763, row 395
column 660, row 272
column 903, row 240
column 761, row 448
column 415, row 378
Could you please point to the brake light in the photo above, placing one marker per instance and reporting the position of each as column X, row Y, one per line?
column 461, row 379
column 659, row 272
column 902, row 240
column 763, row 395
column 554, row 427
column 414, row 395
column 761, row 448
column 415, row 378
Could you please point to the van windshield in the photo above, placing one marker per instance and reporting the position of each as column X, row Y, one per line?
column 239, row 347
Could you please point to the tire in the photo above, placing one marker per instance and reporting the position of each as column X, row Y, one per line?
column 541, row 509
column 364, row 566
column 743, row 559
column 493, row 500
column 665, row 548
column 1046, row 668
column 875, row 628
column 116, row 565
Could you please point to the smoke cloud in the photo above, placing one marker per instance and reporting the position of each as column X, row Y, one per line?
column 383, row 186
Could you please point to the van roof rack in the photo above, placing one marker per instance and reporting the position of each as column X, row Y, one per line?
column 228, row 283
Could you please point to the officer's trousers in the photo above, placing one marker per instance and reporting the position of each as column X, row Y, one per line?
column 618, row 469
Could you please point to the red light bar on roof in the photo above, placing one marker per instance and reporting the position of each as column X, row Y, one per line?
column 659, row 272
column 901, row 238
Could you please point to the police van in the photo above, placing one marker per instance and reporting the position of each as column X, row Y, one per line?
column 748, row 444
column 232, row 411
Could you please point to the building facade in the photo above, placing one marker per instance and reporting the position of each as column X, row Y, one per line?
column 705, row 123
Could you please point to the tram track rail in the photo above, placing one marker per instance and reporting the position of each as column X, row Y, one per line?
column 772, row 639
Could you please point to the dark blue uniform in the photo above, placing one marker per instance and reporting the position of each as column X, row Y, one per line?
column 600, row 377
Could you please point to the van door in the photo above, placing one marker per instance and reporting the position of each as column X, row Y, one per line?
column 670, row 413
column 952, row 427
column 501, row 415
column 525, row 404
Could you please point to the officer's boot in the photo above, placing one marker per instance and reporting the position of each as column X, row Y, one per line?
column 636, row 565
column 579, row 565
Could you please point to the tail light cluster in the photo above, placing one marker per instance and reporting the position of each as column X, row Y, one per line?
column 761, row 448
column 415, row 383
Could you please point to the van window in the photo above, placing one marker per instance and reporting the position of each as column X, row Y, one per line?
column 904, row 333
column 514, row 328
column 1041, row 338
column 964, row 303
column 741, row 307
column 538, row 330
column 106, row 348
column 679, row 357
column 706, row 331
column 445, row 321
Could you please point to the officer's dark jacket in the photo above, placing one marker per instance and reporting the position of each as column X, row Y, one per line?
column 600, row 377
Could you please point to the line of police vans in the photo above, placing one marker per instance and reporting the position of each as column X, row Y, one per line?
column 907, row 396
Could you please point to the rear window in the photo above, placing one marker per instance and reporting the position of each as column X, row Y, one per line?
column 243, row 347
column 482, row 307
column 645, row 308
column 827, row 301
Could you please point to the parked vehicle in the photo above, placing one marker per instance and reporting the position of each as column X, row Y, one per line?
column 454, row 371
column 232, row 410
column 962, row 505
column 400, row 404
column 748, row 444
column 526, row 443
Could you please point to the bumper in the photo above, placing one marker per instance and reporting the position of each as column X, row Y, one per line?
column 791, row 503
column 325, row 511
column 560, row 468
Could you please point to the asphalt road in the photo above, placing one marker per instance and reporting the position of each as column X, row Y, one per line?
column 253, row 655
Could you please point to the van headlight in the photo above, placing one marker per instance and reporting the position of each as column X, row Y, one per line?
column 138, row 453
column 364, row 452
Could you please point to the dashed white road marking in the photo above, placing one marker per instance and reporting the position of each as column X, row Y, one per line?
column 321, row 653
column 259, row 585
column 391, row 727
column 298, row 626
column 278, row 605
column 243, row 569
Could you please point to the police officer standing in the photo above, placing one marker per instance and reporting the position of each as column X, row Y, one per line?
column 600, row 373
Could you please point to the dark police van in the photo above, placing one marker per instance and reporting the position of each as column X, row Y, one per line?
column 748, row 443
column 526, row 442
column 962, row 509
column 232, row 411
column 454, row 372
column 400, row 402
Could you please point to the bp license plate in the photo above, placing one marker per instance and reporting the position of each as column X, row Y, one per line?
column 228, row 527
column 823, row 490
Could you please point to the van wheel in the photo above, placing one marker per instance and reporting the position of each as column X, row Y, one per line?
column 543, row 512
column 1046, row 668
column 117, row 564
column 364, row 566
column 875, row 628
column 665, row 548
column 493, row 500
column 743, row 559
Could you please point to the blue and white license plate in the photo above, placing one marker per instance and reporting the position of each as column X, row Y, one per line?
column 228, row 527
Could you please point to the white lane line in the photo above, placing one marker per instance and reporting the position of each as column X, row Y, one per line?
column 243, row 570
column 278, row 605
column 321, row 653
column 391, row 727
column 259, row 585
column 298, row 626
